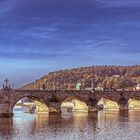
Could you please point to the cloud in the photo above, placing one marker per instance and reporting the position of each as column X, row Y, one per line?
column 52, row 34
column 5, row 7
column 119, row 3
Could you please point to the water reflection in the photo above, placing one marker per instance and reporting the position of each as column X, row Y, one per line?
column 6, row 128
column 102, row 125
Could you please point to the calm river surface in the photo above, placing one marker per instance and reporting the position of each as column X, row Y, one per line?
column 80, row 126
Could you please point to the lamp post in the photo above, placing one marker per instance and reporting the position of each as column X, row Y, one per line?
column 93, row 81
column 43, row 86
column 83, row 84
column 123, row 88
column 54, row 88
column 92, row 86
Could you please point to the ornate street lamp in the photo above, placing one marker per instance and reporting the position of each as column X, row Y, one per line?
column 54, row 88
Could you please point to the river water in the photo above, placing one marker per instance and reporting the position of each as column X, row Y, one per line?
column 109, row 125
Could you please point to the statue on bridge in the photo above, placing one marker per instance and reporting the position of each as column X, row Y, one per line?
column 6, row 86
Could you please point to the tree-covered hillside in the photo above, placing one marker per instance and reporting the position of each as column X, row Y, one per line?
column 98, row 76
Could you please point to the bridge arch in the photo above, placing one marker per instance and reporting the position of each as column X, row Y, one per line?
column 73, row 104
column 107, row 103
column 134, row 103
column 40, row 105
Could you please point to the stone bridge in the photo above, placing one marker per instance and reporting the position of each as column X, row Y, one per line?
column 54, row 99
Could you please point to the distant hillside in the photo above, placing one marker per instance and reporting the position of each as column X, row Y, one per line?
column 104, row 76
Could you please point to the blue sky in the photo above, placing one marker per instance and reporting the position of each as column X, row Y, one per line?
column 37, row 37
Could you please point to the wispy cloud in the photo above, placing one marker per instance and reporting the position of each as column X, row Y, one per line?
column 5, row 7
column 67, row 33
column 119, row 3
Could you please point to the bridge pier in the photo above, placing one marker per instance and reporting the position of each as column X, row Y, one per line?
column 52, row 111
column 55, row 108
column 92, row 105
column 6, row 110
column 92, row 109
column 123, row 107
column 123, row 104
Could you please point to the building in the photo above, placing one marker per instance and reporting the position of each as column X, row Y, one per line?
column 137, row 87
column 99, row 89
column 78, row 86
